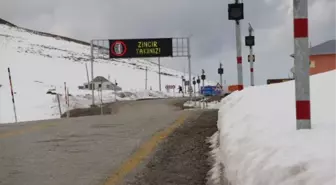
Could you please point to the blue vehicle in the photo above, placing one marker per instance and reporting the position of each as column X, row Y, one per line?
column 210, row 91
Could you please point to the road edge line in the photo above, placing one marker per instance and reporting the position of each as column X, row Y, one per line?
column 143, row 151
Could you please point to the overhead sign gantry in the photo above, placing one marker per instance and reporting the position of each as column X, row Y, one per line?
column 140, row 48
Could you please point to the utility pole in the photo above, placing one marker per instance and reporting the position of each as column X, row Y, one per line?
column 220, row 72
column 301, row 64
column 146, row 77
column 159, row 63
column 250, row 42
column 236, row 13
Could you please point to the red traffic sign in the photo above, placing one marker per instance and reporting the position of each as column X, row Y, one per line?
column 170, row 86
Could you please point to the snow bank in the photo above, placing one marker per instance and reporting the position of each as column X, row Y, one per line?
column 259, row 143
column 201, row 104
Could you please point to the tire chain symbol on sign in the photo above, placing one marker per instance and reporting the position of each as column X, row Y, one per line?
column 119, row 48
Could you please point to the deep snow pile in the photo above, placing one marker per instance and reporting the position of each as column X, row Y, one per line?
column 259, row 143
column 39, row 63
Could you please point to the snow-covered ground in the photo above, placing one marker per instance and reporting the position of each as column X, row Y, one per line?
column 39, row 63
column 203, row 105
column 259, row 143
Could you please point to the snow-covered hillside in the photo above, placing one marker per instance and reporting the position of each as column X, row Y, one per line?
column 259, row 143
column 40, row 62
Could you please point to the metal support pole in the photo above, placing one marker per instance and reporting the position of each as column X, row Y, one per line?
column 301, row 64
column 12, row 93
column 182, row 87
column 204, row 96
column 146, row 78
column 221, row 79
column 199, row 89
column 59, row 104
column 239, row 55
column 92, row 84
column 159, row 74
column 87, row 74
column 189, row 66
column 101, row 98
column 115, row 90
column 68, row 103
column 195, row 91
column 221, row 75
column 251, row 67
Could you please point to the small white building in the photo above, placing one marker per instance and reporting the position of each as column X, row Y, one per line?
column 101, row 82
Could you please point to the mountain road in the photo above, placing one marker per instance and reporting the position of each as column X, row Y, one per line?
column 105, row 150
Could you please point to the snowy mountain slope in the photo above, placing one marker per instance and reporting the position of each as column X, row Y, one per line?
column 40, row 61
column 259, row 143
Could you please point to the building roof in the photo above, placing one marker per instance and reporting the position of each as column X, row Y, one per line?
column 325, row 48
column 100, row 79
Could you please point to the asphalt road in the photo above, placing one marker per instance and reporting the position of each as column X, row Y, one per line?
column 182, row 159
column 94, row 150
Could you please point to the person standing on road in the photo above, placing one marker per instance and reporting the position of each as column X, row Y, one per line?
column 180, row 89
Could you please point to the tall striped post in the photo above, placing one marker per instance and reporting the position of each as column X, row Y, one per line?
column 301, row 63
column 239, row 56
column 12, row 93
column 251, row 67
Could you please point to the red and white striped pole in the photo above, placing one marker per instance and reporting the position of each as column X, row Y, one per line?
column 301, row 63
column 239, row 54
column 12, row 93
column 251, row 58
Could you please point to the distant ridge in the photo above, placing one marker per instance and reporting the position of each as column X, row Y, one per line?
column 7, row 23
column 2, row 21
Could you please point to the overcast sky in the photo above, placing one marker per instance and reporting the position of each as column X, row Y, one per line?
column 213, row 35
